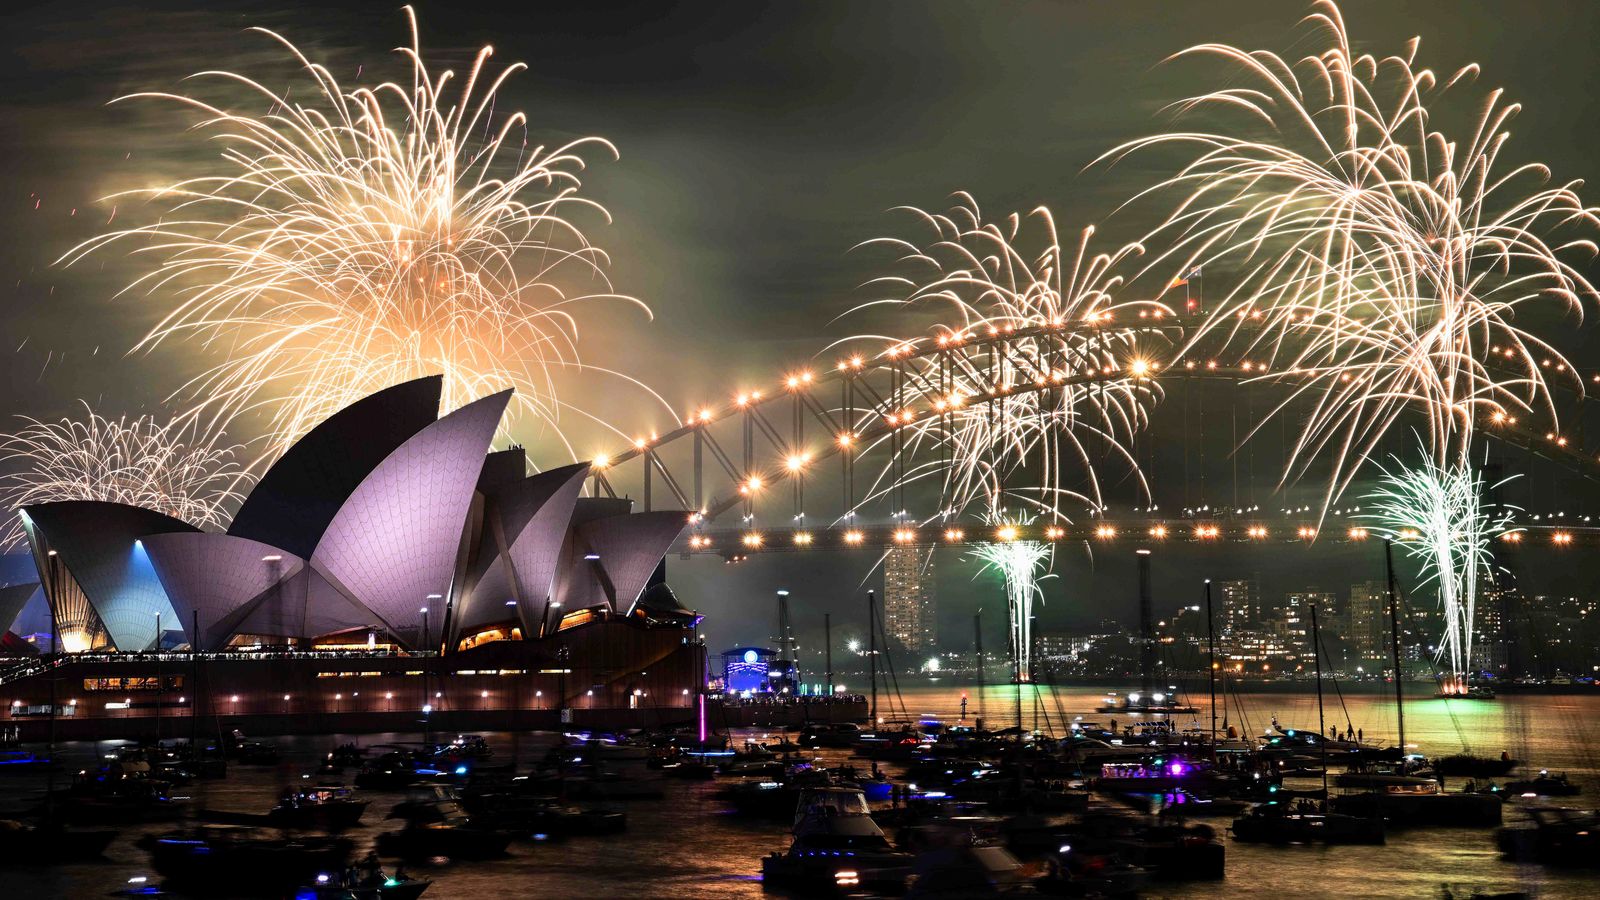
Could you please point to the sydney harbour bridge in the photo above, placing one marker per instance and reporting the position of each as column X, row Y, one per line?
column 862, row 451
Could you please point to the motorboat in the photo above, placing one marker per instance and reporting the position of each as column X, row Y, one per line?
column 1424, row 803
column 1543, row 785
column 391, row 887
column 345, row 755
column 1157, row 775
column 109, row 798
column 689, row 767
column 21, row 762
column 1411, row 773
column 545, row 816
column 1558, row 836
column 249, row 752
column 320, row 808
column 1305, row 823
column 367, row 881
column 440, row 827
column 22, row 844
column 1138, row 703
column 836, row 846
column 226, row 860
column 776, row 798
column 836, row 736
column 1181, row 802
column 1072, row 871
column 1469, row 766
column 968, row 871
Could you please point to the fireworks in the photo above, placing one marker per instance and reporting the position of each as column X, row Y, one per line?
column 172, row 468
column 1438, row 515
column 359, row 237
column 1380, row 260
column 1022, row 564
column 1056, row 397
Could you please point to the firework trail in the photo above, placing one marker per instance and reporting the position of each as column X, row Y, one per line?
column 1438, row 516
column 359, row 237
column 1381, row 260
column 1023, row 565
column 170, row 467
column 1043, row 410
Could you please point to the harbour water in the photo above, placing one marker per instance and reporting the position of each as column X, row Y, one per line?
column 688, row 846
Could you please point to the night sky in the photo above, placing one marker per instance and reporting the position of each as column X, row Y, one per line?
column 759, row 143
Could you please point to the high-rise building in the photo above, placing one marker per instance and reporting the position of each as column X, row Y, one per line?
column 1240, row 608
column 1366, row 620
column 1489, row 641
column 908, row 599
column 1291, row 618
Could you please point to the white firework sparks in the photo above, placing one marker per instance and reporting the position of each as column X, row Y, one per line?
column 1381, row 260
column 1439, row 517
column 354, row 238
column 169, row 467
column 1064, row 392
column 1023, row 564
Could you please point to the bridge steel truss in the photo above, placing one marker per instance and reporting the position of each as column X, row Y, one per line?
column 749, row 453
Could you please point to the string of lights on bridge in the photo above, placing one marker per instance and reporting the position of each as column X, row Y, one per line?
column 1139, row 366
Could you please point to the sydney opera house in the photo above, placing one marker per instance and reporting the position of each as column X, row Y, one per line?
column 386, row 563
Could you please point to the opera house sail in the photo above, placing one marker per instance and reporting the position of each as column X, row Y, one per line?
column 532, row 591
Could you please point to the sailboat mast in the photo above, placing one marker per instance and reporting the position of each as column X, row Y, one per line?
column 827, row 643
column 1394, row 640
column 872, row 652
column 977, row 649
column 194, row 686
column 1211, row 642
column 1322, row 736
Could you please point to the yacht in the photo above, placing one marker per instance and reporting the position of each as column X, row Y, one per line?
column 1424, row 802
column 1146, row 704
column 837, row 846
column 320, row 808
column 1305, row 823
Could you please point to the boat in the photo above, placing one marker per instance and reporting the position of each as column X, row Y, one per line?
column 1558, row 836
column 775, row 798
column 1473, row 692
column 835, row 736
column 836, row 846
column 1305, row 823
column 1470, row 766
column 320, row 808
column 22, row 844
column 227, row 860
column 102, row 800
column 1075, row 872
column 1155, row 776
column 251, row 753
column 541, row 816
column 440, row 828
column 21, row 762
column 1543, row 785
column 367, row 881
column 1384, row 775
column 1170, row 852
column 391, row 888
column 1137, row 703
column 1180, row 802
column 968, row 871
column 346, row 755
column 690, row 768
column 1424, row 803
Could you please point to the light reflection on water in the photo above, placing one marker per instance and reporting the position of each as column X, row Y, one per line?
column 686, row 846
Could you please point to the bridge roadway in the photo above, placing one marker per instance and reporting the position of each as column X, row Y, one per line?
column 869, row 414
column 734, row 544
